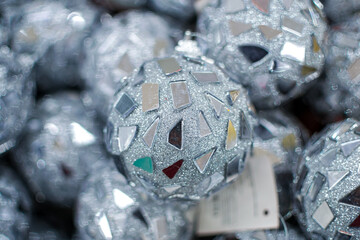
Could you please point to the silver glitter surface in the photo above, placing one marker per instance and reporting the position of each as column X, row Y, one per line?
column 185, row 132
column 116, row 47
column 280, row 137
column 109, row 208
column 62, row 144
column 16, row 96
column 333, row 208
column 15, row 205
column 342, row 69
column 254, row 41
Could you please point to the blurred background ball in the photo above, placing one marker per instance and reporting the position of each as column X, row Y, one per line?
column 274, row 48
column 327, row 183
column 118, row 46
column 182, row 10
column 180, row 126
column 62, row 143
column 116, row 5
column 16, row 96
column 340, row 10
column 15, row 206
column 109, row 208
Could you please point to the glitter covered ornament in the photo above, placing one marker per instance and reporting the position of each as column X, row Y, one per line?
column 327, row 183
column 340, row 10
column 16, row 96
column 271, row 47
column 180, row 9
column 53, row 33
column 109, row 208
column 343, row 65
column 279, row 137
column 119, row 45
column 180, row 126
column 61, row 145
column 15, row 206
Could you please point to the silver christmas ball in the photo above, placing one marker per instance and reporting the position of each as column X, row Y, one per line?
column 16, row 96
column 62, row 144
column 343, row 65
column 327, row 184
column 340, row 10
column 53, row 33
column 15, row 206
column 182, row 10
column 271, row 47
column 118, row 46
column 109, row 208
column 180, row 126
column 279, row 137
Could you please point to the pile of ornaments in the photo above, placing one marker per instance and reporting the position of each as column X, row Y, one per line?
column 117, row 122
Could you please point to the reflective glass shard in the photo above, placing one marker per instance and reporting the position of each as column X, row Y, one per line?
column 202, row 161
column 145, row 164
column 205, row 77
column 323, row 215
column 233, row 168
column 160, row 47
column 356, row 222
column 171, row 189
column 334, row 177
column 292, row 26
column 150, row 133
column 262, row 5
column 171, row 171
column 316, row 186
column 139, row 215
column 180, row 94
column 139, row 77
column 204, row 128
column 268, row 32
column 352, row 198
column 175, row 135
column 150, row 96
column 233, row 96
column 329, row 157
column 287, row 3
column 278, row 66
column 233, row 6
column 307, row 70
column 125, row 64
column 253, row 53
column 126, row 105
column 343, row 128
column 262, row 132
column 80, row 136
column 216, row 104
column 245, row 131
column 236, row 28
column 348, row 147
column 289, row 142
column 303, row 173
column 354, row 70
column 169, row 65
column 293, row 51
column 285, row 85
column 104, row 226
column 340, row 235
column 231, row 139
column 161, row 227
column 126, row 136
column 121, row 199
column 315, row 44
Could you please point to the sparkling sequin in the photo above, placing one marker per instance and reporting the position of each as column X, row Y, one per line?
column 323, row 215
column 269, row 32
column 169, row 66
column 315, row 43
column 180, row 94
column 126, row 136
column 278, row 66
column 348, row 147
column 262, row 5
column 171, row 171
column 343, row 128
column 175, row 135
column 204, row 128
column 233, row 6
column 293, row 51
column 245, row 131
column 202, row 161
column 231, row 138
column 145, row 164
column 126, row 105
column 233, row 96
column 205, row 77
column 150, row 134
column 150, row 96
column 292, row 26
column 334, row 177
column 216, row 104
column 171, row 189
column 352, row 198
column 316, row 186
column 307, row 70
column 237, row 28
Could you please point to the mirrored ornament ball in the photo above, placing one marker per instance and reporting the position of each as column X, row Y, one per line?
column 340, row 10
column 273, row 48
column 109, row 208
column 15, row 206
column 16, row 91
column 279, row 137
column 327, row 183
column 180, row 126
column 61, row 145
column 52, row 32
column 182, row 10
column 118, row 46
column 343, row 65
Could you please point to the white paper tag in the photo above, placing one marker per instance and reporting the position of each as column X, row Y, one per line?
column 250, row 203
